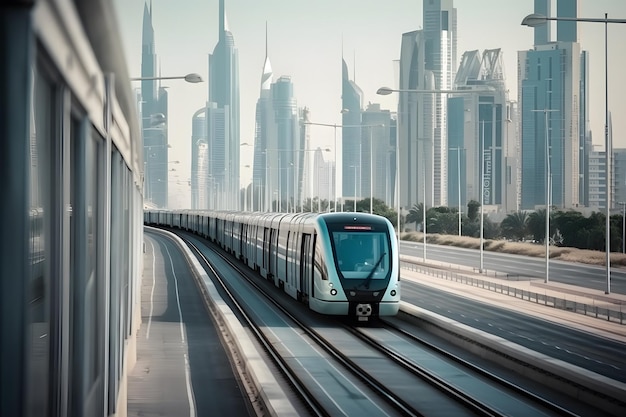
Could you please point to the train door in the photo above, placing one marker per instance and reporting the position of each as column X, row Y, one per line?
column 269, row 251
column 274, row 253
column 243, row 248
column 288, row 258
column 306, row 269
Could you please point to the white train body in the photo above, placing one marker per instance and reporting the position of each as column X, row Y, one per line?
column 343, row 264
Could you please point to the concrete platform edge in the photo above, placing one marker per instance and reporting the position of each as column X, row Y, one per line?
column 273, row 396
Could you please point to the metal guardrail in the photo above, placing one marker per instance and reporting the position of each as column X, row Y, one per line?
column 600, row 312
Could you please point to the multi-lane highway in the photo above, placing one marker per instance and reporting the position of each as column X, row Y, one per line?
column 570, row 344
column 588, row 276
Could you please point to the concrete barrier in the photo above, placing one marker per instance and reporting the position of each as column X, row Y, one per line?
column 602, row 392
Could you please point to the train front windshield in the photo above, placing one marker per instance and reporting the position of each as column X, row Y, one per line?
column 362, row 254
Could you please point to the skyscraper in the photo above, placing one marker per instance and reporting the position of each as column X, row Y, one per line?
column 324, row 184
column 200, row 187
column 285, row 160
column 416, row 123
column 477, row 129
column 352, row 104
column 376, row 152
column 440, row 40
column 263, row 136
column 550, row 88
column 585, row 145
column 279, row 143
column 223, row 135
column 154, row 117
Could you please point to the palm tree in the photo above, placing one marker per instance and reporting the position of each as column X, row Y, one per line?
column 536, row 224
column 515, row 225
column 472, row 209
column 416, row 214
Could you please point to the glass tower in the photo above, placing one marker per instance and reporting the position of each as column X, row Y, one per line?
column 154, row 117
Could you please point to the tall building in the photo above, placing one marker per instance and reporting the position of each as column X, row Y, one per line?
column 199, row 161
column 415, row 125
column 279, row 143
column 478, row 135
column 154, row 117
column 597, row 179
column 618, row 172
column 584, row 131
column 376, row 153
column 305, row 177
column 352, row 104
column 285, row 161
column 324, row 184
column 427, row 62
column 440, row 36
column 550, row 91
column 223, row 124
column 264, row 138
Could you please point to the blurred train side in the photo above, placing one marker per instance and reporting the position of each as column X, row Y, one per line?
column 298, row 253
column 71, row 214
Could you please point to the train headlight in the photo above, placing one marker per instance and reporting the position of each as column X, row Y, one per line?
column 333, row 292
column 393, row 293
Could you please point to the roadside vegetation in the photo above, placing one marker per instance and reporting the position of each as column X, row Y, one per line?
column 573, row 236
column 538, row 250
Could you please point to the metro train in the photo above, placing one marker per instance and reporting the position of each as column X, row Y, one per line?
column 71, row 213
column 344, row 264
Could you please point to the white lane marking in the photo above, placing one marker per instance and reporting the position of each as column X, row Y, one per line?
column 190, row 397
column 190, row 394
column 151, row 291
column 180, row 313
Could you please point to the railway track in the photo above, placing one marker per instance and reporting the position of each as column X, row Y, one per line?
column 338, row 369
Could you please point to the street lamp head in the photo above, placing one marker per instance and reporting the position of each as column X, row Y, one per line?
column 193, row 78
column 533, row 20
column 384, row 91
column 190, row 78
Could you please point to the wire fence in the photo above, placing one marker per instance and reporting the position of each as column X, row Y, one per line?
column 610, row 312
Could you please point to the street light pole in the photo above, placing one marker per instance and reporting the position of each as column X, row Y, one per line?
column 548, row 191
column 458, row 152
column 608, row 156
column 623, row 204
column 330, row 174
column 371, row 173
column 424, row 211
column 533, row 20
column 355, row 187
column 371, row 127
column 482, row 194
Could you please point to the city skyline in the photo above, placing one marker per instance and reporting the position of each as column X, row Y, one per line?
column 313, row 59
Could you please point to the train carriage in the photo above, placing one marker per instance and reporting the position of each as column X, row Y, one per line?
column 335, row 263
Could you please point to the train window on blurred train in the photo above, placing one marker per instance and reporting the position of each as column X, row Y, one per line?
column 37, row 356
column 362, row 254
column 85, row 305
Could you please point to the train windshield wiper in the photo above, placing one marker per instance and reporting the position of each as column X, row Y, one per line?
column 368, row 279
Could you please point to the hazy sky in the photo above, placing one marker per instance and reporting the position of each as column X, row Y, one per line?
column 305, row 42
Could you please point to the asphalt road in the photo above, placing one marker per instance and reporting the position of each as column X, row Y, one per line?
column 588, row 276
column 569, row 344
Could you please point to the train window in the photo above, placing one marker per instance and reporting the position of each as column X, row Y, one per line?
column 37, row 346
column 360, row 254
